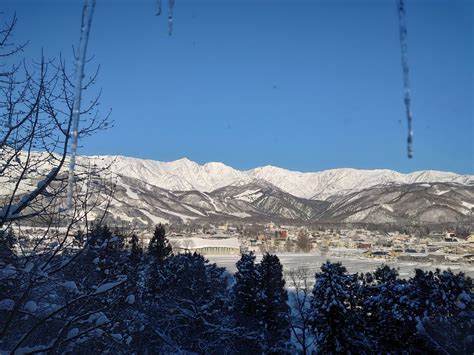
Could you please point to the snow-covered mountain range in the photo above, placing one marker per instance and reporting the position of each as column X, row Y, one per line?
column 150, row 192
column 186, row 175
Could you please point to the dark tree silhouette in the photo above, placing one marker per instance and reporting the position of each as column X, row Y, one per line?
column 273, row 311
column 136, row 251
column 159, row 247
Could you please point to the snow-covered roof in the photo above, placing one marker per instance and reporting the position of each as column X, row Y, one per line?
column 199, row 243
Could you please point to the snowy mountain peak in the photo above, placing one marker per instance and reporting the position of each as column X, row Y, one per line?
column 184, row 175
column 183, row 161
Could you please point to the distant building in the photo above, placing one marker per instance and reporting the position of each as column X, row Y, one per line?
column 377, row 254
column 207, row 246
column 363, row 245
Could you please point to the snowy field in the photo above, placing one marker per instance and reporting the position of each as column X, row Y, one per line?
column 313, row 262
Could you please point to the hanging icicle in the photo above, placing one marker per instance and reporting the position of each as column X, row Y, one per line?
column 170, row 14
column 158, row 8
column 406, row 81
column 87, row 13
column 170, row 17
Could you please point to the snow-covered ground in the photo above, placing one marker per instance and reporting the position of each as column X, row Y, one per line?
column 313, row 262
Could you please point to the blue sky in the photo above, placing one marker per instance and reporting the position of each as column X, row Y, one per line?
column 305, row 85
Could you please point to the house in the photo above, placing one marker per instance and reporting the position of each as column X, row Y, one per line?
column 377, row 254
column 450, row 237
column 364, row 245
column 468, row 258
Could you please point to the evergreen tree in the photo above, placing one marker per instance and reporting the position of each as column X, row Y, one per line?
column 159, row 247
column 273, row 311
column 135, row 249
column 245, row 303
column 189, row 307
column 7, row 246
column 385, row 274
column 332, row 310
column 388, row 312
column 246, row 286
column 98, row 236
column 450, row 327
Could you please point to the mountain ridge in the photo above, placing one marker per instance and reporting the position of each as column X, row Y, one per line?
column 149, row 192
column 185, row 175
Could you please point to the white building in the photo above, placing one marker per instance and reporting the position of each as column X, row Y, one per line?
column 206, row 246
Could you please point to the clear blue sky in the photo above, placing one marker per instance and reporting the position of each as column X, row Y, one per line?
column 305, row 85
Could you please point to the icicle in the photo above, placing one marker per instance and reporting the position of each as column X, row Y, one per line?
column 158, row 7
column 170, row 14
column 87, row 13
column 406, row 82
column 170, row 17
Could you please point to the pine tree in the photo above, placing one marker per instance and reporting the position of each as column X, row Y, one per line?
column 245, row 303
column 159, row 247
column 387, row 313
column 135, row 249
column 331, row 308
column 450, row 326
column 246, row 286
column 273, row 311
column 385, row 274
column 98, row 235
column 189, row 306
column 7, row 245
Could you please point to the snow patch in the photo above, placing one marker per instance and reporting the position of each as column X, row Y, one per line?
column 107, row 287
column 240, row 214
column 130, row 299
column 31, row 306
column 72, row 333
column 387, row 207
column 7, row 304
column 71, row 285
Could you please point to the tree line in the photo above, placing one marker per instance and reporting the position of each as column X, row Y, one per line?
column 116, row 297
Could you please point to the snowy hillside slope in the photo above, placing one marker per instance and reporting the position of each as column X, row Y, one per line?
column 149, row 192
column 418, row 202
column 186, row 175
column 139, row 202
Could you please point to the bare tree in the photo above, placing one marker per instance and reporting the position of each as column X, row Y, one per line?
column 299, row 298
column 44, row 306
column 303, row 242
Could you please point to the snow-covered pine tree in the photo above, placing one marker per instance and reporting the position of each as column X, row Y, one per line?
column 159, row 247
column 246, row 287
column 451, row 327
column 392, row 309
column 332, row 317
column 190, row 310
column 273, row 311
column 385, row 274
column 245, row 301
